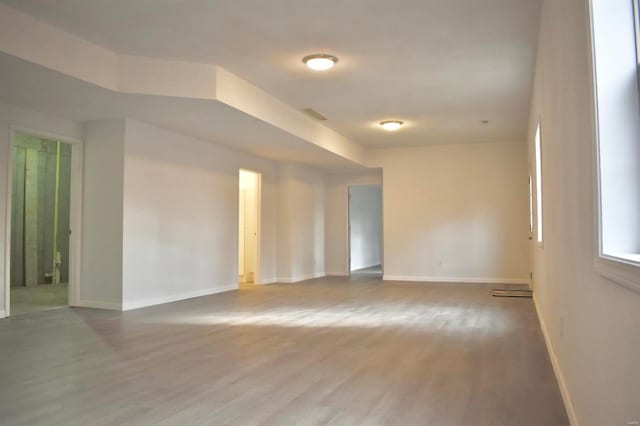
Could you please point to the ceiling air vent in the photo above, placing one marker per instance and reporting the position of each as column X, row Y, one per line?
column 314, row 114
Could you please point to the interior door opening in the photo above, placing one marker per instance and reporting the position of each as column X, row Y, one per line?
column 365, row 230
column 249, row 227
column 39, row 258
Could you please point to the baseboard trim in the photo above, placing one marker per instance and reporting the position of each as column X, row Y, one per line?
column 3, row 314
column 300, row 278
column 177, row 297
column 267, row 281
column 466, row 280
column 564, row 390
column 94, row 304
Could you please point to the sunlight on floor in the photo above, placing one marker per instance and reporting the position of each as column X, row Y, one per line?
column 446, row 319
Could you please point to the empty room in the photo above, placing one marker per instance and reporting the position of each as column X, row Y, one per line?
column 420, row 212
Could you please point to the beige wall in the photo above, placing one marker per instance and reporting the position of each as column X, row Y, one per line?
column 301, row 216
column 181, row 216
column 592, row 324
column 161, row 216
column 455, row 212
column 102, row 215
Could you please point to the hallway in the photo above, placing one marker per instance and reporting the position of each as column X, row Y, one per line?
column 326, row 351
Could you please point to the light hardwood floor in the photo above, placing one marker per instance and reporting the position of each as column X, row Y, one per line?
column 40, row 298
column 326, row 351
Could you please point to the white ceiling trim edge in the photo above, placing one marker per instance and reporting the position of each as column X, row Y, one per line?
column 52, row 48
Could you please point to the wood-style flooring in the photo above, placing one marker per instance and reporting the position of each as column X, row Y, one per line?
column 326, row 351
column 40, row 298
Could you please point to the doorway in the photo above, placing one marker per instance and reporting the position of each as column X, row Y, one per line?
column 40, row 217
column 249, row 227
column 365, row 230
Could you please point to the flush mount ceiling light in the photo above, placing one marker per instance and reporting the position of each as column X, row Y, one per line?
column 391, row 125
column 320, row 61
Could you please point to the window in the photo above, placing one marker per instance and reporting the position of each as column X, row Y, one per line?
column 636, row 21
column 538, row 148
column 530, row 205
column 616, row 64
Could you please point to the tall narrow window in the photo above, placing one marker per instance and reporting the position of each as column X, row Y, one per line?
column 538, row 148
column 616, row 58
column 616, row 61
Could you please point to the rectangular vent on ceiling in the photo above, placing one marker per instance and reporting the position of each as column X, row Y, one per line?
column 314, row 114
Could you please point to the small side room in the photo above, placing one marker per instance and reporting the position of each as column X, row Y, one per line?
column 40, row 228
column 320, row 213
column 248, row 220
column 365, row 230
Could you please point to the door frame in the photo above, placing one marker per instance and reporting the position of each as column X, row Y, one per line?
column 75, row 212
column 257, row 278
column 531, row 243
column 349, row 230
column 381, row 186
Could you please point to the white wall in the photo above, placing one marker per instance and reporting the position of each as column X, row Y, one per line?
column 160, row 213
column 300, row 223
column 592, row 324
column 102, row 215
column 38, row 122
column 337, row 217
column 181, row 216
column 365, row 217
column 456, row 212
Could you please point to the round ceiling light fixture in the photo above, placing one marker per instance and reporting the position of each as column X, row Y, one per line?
column 391, row 125
column 320, row 61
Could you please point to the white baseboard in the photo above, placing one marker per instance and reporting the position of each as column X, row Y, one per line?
column 564, row 390
column 300, row 278
column 3, row 314
column 127, row 306
column 469, row 280
column 267, row 281
column 113, row 306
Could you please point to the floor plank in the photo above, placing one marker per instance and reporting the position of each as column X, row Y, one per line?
column 326, row 351
column 40, row 298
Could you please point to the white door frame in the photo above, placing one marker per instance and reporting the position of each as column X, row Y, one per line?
column 381, row 186
column 257, row 278
column 75, row 212
column 349, row 230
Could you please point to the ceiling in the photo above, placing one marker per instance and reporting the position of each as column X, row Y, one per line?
column 32, row 86
column 442, row 66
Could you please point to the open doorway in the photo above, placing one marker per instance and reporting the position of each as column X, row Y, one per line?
column 365, row 230
column 249, row 227
column 39, row 257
